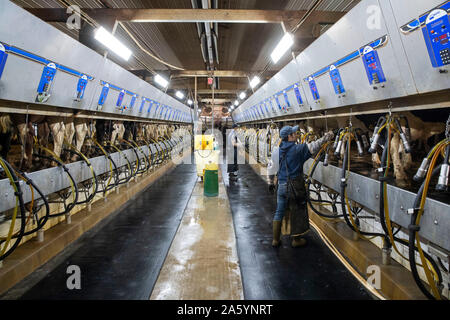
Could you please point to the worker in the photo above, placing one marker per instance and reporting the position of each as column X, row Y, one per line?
column 232, row 144
column 287, row 164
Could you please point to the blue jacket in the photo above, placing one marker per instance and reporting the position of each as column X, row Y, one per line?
column 296, row 155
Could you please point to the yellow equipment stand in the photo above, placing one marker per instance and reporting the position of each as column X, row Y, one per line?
column 205, row 153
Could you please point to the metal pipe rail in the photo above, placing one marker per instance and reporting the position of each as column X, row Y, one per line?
column 54, row 179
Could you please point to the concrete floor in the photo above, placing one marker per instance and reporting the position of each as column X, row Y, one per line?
column 171, row 242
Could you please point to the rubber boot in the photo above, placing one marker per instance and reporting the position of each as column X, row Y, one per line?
column 298, row 241
column 276, row 233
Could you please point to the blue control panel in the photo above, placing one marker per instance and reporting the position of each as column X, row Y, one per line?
column 48, row 74
column 336, row 80
column 103, row 95
column 265, row 106
column 278, row 102
column 3, row 57
column 271, row 105
column 141, row 107
column 313, row 87
column 81, row 86
column 437, row 36
column 288, row 104
column 133, row 101
column 150, row 107
column 298, row 95
column 373, row 67
column 120, row 99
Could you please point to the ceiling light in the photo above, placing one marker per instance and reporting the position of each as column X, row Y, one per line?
column 236, row 103
column 285, row 43
column 255, row 81
column 161, row 81
column 189, row 102
column 112, row 43
column 179, row 94
column 242, row 95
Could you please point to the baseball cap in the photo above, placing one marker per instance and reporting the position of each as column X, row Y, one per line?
column 287, row 130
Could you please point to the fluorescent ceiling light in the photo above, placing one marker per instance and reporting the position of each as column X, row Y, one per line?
column 255, row 81
column 108, row 40
column 236, row 103
column 189, row 102
column 179, row 94
column 242, row 95
column 161, row 81
column 285, row 43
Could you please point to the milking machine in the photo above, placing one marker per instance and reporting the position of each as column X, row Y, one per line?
column 388, row 126
column 64, row 194
column 126, row 170
column 428, row 170
column 86, row 185
column 319, row 189
column 5, row 242
column 106, row 179
column 350, row 213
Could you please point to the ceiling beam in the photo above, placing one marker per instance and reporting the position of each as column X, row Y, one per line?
column 220, row 91
column 189, row 15
column 207, row 73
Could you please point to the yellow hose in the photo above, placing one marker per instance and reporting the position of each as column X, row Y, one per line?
column 72, row 186
column 13, row 219
column 428, row 275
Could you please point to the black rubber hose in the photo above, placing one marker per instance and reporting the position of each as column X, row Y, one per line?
column 412, row 240
column 382, row 183
column 127, row 177
column 343, row 188
column 18, row 194
column 43, row 220
column 308, row 197
column 94, row 177
column 71, row 205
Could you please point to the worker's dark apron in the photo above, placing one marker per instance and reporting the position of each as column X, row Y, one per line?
column 295, row 221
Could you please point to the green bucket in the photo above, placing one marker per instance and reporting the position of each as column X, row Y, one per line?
column 211, row 183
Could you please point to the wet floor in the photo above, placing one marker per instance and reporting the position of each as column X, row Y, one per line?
column 172, row 243
column 268, row 273
column 203, row 253
column 121, row 258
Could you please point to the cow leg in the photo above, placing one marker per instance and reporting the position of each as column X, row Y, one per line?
column 69, row 132
column 399, row 170
column 81, row 130
column 5, row 135
column 27, row 146
column 57, row 128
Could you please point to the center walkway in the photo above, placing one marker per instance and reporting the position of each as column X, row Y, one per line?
column 202, row 263
column 171, row 242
